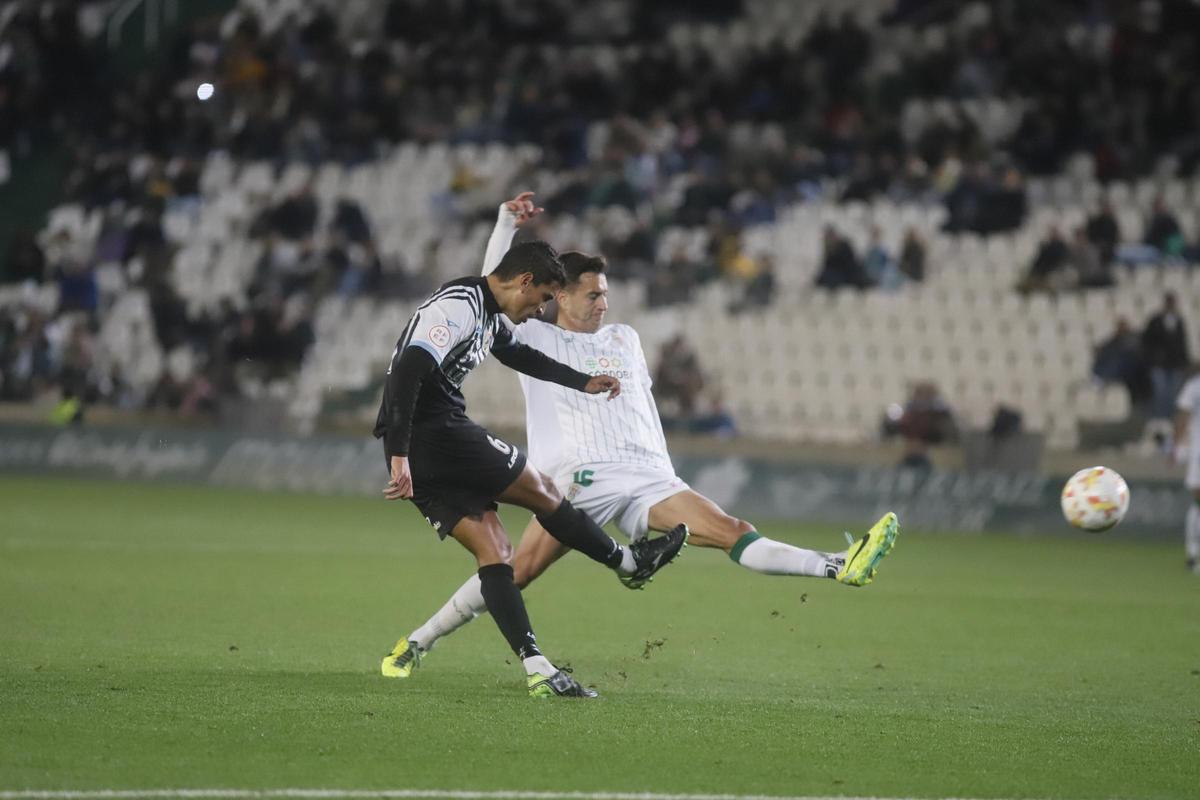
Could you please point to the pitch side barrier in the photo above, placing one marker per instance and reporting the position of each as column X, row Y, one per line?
column 938, row 500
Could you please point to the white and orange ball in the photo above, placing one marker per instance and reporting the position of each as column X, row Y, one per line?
column 1095, row 499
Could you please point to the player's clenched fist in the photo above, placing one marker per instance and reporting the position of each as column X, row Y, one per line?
column 604, row 383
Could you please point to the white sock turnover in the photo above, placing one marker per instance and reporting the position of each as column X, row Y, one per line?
column 776, row 558
column 539, row 665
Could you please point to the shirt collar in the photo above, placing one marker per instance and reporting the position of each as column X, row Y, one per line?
column 489, row 299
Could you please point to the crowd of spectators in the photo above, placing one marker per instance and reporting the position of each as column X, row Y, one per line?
column 879, row 267
column 1087, row 260
column 681, row 136
column 1152, row 363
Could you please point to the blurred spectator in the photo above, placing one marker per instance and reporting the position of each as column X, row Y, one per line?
column 715, row 419
column 881, row 269
column 912, row 256
column 1119, row 359
column 926, row 420
column 678, row 380
column 1164, row 345
column 840, row 266
column 77, row 288
column 1090, row 270
column 1048, row 270
column 1104, row 232
column 1163, row 231
column 759, row 291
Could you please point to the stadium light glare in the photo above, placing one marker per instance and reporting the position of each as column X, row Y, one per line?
column 204, row 91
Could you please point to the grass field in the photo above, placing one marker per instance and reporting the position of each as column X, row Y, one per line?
column 173, row 637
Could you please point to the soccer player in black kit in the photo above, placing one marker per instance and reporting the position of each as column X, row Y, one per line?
column 455, row 471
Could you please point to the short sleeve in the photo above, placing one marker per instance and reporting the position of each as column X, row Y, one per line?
column 442, row 325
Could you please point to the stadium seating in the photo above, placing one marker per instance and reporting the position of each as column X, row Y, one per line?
column 814, row 365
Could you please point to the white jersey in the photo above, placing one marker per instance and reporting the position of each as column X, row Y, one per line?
column 568, row 430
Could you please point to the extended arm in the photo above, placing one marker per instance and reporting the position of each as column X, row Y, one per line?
column 537, row 364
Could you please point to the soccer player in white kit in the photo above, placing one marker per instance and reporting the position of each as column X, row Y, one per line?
column 611, row 460
column 1187, row 416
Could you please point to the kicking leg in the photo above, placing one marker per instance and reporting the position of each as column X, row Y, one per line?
column 567, row 524
column 636, row 564
column 712, row 527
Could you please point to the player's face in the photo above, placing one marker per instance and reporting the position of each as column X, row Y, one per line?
column 582, row 307
column 532, row 300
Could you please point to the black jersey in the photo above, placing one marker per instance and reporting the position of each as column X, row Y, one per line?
column 458, row 325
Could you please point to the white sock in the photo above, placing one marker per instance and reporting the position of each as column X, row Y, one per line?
column 539, row 665
column 1191, row 538
column 628, row 565
column 465, row 605
column 776, row 558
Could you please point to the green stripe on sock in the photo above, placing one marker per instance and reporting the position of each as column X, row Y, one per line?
column 741, row 544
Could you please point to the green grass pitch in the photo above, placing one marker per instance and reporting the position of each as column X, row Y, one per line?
column 173, row 637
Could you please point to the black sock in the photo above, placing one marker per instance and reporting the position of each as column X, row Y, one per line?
column 576, row 530
column 507, row 608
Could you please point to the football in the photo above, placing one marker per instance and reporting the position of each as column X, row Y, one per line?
column 1095, row 499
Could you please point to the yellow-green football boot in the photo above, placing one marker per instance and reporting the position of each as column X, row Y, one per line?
column 560, row 684
column 404, row 658
column 863, row 557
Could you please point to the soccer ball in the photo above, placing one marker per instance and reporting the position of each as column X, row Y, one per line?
column 1095, row 499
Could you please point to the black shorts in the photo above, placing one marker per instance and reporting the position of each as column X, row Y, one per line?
column 458, row 470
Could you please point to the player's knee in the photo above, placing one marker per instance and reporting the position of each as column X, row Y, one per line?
column 549, row 497
column 735, row 527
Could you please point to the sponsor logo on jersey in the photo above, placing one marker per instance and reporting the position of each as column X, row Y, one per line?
column 606, row 365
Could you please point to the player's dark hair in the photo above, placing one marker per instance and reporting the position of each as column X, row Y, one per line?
column 578, row 264
column 537, row 257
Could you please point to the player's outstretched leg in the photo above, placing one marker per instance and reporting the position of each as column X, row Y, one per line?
column 569, row 525
column 488, row 542
column 712, row 527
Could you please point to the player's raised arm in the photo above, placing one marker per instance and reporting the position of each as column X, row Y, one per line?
column 513, row 214
column 537, row 364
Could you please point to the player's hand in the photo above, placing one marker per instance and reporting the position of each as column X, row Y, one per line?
column 400, row 485
column 522, row 205
column 604, row 383
column 1179, row 454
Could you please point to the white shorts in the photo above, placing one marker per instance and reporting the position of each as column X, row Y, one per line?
column 1192, row 482
column 607, row 492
